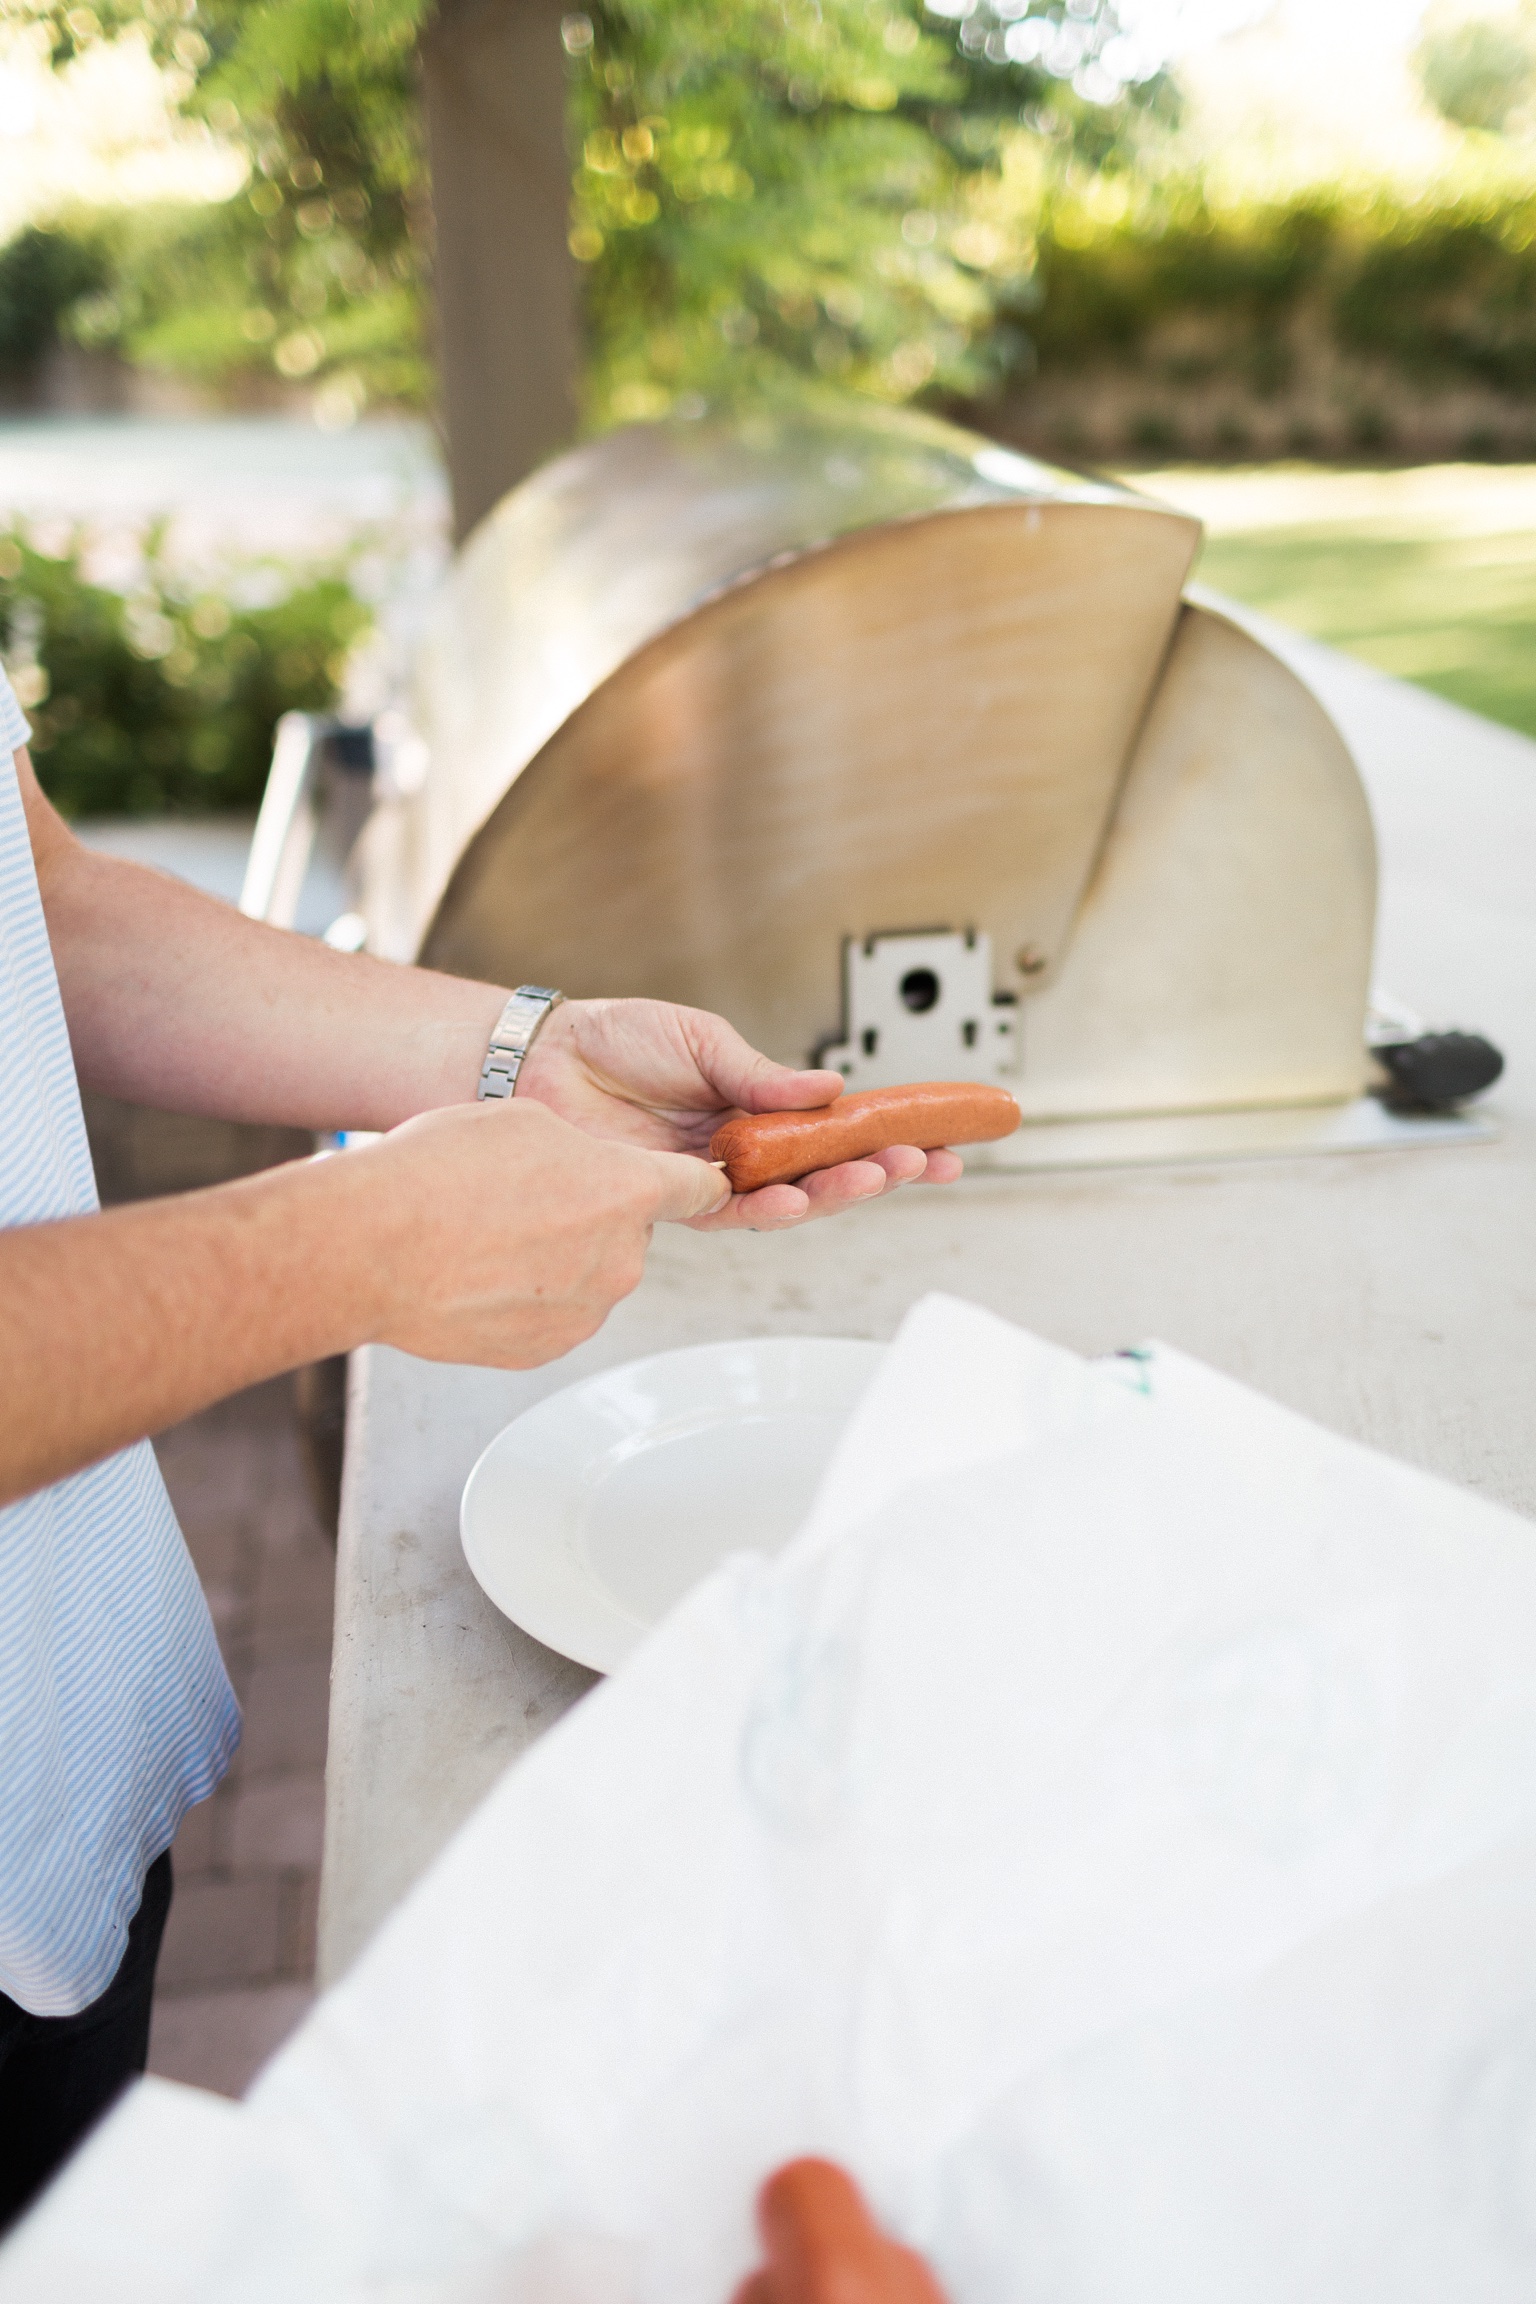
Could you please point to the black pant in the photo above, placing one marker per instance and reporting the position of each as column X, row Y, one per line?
column 58, row 2074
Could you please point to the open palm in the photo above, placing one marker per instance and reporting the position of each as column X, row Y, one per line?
column 645, row 1072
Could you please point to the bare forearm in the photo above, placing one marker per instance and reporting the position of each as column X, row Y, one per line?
column 117, row 1325
column 490, row 1232
column 174, row 999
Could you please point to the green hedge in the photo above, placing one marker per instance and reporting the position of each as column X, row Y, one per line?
column 1441, row 292
column 165, row 700
column 1429, row 296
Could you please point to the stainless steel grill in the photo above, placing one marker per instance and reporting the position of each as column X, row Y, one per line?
column 902, row 749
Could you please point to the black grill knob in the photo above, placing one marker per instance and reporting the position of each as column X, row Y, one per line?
column 1437, row 1069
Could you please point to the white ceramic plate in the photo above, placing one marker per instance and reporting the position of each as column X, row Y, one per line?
column 592, row 1514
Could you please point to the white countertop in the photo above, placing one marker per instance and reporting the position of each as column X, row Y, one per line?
column 1392, row 1296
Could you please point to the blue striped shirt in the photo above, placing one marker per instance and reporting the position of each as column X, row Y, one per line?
column 115, row 1712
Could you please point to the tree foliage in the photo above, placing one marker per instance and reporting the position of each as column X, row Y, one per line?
column 317, row 266
column 750, row 230
column 768, row 195
column 778, row 196
column 1479, row 72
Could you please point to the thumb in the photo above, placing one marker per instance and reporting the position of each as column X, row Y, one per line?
column 780, row 1088
column 686, row 1187
column 742, row 1075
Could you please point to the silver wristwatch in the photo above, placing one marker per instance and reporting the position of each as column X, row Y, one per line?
column 514, row 1036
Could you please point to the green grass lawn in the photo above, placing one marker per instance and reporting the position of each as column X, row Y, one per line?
column 1428, row 573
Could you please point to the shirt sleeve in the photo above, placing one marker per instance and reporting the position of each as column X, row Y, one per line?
column 14, row 729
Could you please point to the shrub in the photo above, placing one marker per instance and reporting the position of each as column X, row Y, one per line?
column 1441, row 290
column 43, row 275
column 1447, row 296
column 165, row 698
column 1479, row 73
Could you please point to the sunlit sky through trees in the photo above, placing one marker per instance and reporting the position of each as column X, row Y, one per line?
column 1322, row 78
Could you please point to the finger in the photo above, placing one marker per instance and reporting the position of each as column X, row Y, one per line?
column 779, row 1206
column 903, row 1163
column 780, row 1088
column 775, row 1209
column 744, row 1076
column 830, row 1190
column 686, row 1188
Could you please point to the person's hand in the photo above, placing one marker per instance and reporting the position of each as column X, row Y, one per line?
column 504, row 1236
column 646, row 1073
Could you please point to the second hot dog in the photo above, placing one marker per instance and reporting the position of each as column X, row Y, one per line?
column 778, row 1147
column 823, row 2246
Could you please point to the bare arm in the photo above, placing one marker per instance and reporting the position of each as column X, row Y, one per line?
column 176, row 1000
column 499, row 1233
column 494, row 1233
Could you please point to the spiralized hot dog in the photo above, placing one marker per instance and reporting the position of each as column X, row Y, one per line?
column 777, row 1147
column 823, row 2246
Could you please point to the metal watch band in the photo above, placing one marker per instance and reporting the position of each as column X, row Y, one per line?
column 514, row 1036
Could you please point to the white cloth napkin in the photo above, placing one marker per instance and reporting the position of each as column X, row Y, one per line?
column 1108, row 1829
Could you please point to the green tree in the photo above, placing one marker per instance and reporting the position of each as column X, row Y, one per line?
column 779, row 194
column 317, row 267
column 1479, row 72
column 760, row 203
column 768, row 196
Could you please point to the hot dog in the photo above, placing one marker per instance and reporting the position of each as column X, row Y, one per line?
column 823, row 2246
column 777, row 1147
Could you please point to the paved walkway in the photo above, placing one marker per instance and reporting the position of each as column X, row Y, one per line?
column 228, row 487
column 235, row 1974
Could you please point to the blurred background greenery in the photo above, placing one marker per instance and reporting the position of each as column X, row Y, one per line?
column 979, row 203
column 1011, row 211
column 988, row 203
column 162, row 700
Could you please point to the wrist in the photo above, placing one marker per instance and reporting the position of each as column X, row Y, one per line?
column 324, row 1248
column 458, row 1048
column 432, row 1057
column 519, row 1025
column 550, row 1053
